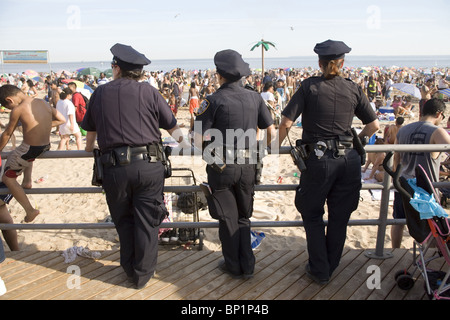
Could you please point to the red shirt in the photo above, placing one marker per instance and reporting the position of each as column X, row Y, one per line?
column 78, row 100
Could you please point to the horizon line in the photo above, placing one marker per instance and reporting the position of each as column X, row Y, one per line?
column 268, row 58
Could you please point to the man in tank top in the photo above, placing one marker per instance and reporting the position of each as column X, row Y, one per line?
column 425, row 131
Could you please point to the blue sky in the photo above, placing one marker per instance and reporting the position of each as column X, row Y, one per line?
column 79, row 30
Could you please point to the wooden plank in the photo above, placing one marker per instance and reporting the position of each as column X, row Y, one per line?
column 263, row 274
column 119, row 283
column 30, row 274
column 218, row 279
column 88, row 267
column 13, row 258
column 386, row 267
column 345, row 281
column 165, row 266
column 299, row 281
column 358, row 278
column 22, row 263
column 269, row 277
column 103, row 282
column 200, row 278
column 180, row 268
column 309, row 288
column 95, row 270
column 194, row 275
column 231, row 283
column 187, row 277
column 210, row 281
column 44, row 277
column 294, row 270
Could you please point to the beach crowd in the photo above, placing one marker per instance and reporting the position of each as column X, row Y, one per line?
column 276, row 85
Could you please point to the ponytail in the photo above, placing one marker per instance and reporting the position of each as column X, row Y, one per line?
column 331, row 68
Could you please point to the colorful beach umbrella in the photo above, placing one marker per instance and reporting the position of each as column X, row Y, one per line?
column 408, row 88
column 31, row 73
column 66, row 72
column 446, row 92
column 80, row 85
column 38, row 79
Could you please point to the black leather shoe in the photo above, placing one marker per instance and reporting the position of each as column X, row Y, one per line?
column 223, row 267
column 315, row 278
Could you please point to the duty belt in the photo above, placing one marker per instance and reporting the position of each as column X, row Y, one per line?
column 337, row 146
column 246, row 155
column 116, row 156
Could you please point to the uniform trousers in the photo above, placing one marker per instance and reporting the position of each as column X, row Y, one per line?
column 134, row 194
column 336, row 182
column 233, row 191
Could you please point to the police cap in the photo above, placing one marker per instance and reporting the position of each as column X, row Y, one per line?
column 230, row 65
column 128, row 58
column 331, row 50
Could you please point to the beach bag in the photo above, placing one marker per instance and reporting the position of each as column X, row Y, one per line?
column 80, row 110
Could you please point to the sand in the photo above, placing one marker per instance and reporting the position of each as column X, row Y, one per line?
column 92, row 208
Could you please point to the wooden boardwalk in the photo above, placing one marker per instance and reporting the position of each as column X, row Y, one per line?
column 193, row 275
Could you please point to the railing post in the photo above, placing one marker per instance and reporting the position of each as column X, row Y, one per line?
column 379, row 252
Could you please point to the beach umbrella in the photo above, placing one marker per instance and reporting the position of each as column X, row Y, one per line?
column 90, row 72
column 38, row 79
column 31, row 73
column 108, row 73
column 408, row 88
column 66, row 72
column 446, row 92
column 265, row 45
column 80, row 85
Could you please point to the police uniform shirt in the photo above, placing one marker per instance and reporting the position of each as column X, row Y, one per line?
column 127, row 112
column 233, row 107
column 328, row 107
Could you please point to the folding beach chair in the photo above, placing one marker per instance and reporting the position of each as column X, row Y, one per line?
column 429, row 227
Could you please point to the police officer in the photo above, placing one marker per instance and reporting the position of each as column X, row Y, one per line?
column 126, row 116
column 231, row 117
column 328, row 104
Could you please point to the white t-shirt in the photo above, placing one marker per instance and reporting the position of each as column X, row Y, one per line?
column 268, row 96
column 442, row 84
column 102, row 81
column 66, row 108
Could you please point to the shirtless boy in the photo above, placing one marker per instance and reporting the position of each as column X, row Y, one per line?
column 37, row 119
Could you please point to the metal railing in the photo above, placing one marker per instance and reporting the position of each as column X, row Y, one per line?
column 382, row 222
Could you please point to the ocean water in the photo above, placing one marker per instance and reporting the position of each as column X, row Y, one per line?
column 424, row 62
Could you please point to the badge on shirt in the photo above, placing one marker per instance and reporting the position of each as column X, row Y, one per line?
column 203, row 107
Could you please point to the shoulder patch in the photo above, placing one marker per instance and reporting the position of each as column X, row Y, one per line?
column 203, row 107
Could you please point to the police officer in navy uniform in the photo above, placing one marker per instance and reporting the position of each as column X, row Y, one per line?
column 125, row 116
column 328, row 104
column 231, row 117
